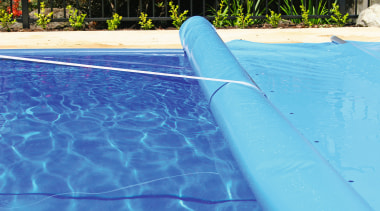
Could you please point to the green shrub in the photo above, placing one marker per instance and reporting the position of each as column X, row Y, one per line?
column 145, row 22
column 115, row 22
column 244, row 20
column 76, row 20
column 319, row 10
column 42, row 18
column 337, row 16
column 6, row 19
column 236, row 8
column 305, row 16
column 178, row 19
column 288, row 8
column 221, row 15
column 274, row 18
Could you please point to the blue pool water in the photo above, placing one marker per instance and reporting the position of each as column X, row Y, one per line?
column 82, row 138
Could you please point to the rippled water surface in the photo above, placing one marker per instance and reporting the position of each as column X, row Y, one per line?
column 86, row 139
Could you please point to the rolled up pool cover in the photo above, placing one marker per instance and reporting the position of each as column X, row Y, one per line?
column 282, row 168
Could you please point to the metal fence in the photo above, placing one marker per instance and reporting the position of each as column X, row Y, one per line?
column 158, row 10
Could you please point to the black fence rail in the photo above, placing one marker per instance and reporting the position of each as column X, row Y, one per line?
column 158, row 10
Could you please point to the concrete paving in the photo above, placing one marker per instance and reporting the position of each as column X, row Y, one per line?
column 170, row 39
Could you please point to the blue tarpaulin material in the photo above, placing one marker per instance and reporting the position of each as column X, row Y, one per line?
column 308, row 137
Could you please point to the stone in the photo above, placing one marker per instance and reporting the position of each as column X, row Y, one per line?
column 370, row 16
column 285, row 23
column 57, row 13
column 14, row 27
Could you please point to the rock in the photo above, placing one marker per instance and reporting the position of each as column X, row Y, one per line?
column 13, row 27
column 369, row 16
column 58, row 25
column 285, row 23
column 16, row 26
column 57, row 13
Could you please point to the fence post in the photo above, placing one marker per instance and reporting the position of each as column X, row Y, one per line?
column 25, row 14
column 342, row 6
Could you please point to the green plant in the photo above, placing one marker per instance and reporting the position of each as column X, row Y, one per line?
column 235, row 8
column 221, row 15
column 305, row 16
column 257, row 11
column 234, row 11
column 177, row 18
column 42, row 18
column 337, row 17
column 76, row 20
column 288, row 8
column 320, row 10
column 6, row 19
column 243, row 20
column 273, row 19
column 115, row 22
column 160, row 4
column 145, row 22
column 161, row 8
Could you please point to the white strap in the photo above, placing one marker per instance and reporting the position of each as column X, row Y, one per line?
column 126, row 70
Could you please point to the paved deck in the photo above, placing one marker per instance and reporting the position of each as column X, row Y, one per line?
column 170, row 38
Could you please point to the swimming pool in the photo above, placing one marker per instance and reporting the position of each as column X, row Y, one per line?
column 83, row 138
column 301, row 121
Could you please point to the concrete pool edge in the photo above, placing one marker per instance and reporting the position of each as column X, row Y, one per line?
column 159, row 39
column 282, row 168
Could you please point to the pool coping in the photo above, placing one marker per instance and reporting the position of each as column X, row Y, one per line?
column 169, row 39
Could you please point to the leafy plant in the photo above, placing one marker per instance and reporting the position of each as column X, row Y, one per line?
column 337, row 17
column 6, row 19
column 177, row 18
column 290, row 9
column 319, row 10
column 145, row 22
column 257, row 11
column 305, row 16
column 243, row 20
column 160, row 4
column 274, row 18
column 43, row 19
column 235, row 9
column 221, row 15
column 76, row 20
column 115, row 22
column 161, row 7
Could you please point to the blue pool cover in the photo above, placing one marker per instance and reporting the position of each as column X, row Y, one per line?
column 307, row 137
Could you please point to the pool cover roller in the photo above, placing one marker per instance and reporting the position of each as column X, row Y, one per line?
column 283, row 169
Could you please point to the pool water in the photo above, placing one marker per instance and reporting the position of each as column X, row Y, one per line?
column 82, row 138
